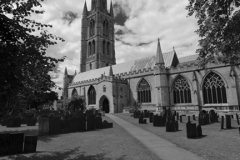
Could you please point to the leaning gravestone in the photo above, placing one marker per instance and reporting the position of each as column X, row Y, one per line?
column 90, row 122
column 107, row 125
column 199, row 131
column 73, row 125
column 4, row 143
column 43, row 127
column 30, row 144
column 151, row 117
column 98, row 122
column 54, row 125
column 82, row 123
column 16, row 143
column 228, row 121
column 191, row 130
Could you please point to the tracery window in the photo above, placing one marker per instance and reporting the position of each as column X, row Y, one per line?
column 214, row 90
column 93, row 47
column 103, row 46
column 91, row 96
column 144, row 92
column 181, row 91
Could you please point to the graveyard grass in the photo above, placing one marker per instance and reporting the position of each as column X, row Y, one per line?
column 106, row 144
column 214, row 145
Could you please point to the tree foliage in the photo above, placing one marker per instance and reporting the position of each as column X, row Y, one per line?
column 76, row 103
column 24, row 65
column 219, row 30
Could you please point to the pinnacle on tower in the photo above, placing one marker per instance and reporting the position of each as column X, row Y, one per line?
column 85, row 11
column 111, row 10
column 159, row 55
column 65, row 72
column 110, row 71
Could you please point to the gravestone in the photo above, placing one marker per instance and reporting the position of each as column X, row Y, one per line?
column 155, row 120
column 199, row 131
column 24, row 120
column 30, row 144
column 146, row 113
column 177, row 116
column 107, row 125
column 43, row 126
column 228, row 121
column 151, row 117
column 90, row 122
column 194, row 118
column 237, row 119
column 189, row 119
column 16, row 143
column 73, row 125
column 222, row 122
column 82, row 123
column 54, row 126
column 64, row 125
column 4, row 143
column 31, row 121
column 141, row 120
column 14, row 122
column 98, row 122
column 180, row 118
column 191, row 130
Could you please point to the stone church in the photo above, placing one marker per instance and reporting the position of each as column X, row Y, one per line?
column 160, row 81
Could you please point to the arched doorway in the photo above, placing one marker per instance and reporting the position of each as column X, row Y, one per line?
column 105, row 105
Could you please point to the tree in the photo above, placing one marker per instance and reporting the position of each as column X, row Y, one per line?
column 77, row 103
column 219, row 22
column 24, row 65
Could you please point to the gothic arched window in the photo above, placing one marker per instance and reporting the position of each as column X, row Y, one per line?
column 74, row 93
column 89, row 49
column 108, row 48
column 144, row 92
column 214, row 90
column 105, row 28
column 181, row 90
column 93, row 47
column 103, row 46
column 90, row 66
column 104, row 88
column 91, row 96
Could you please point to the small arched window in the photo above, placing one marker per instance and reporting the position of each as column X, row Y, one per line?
column 214, row 90
column 105, row 28
column 74, row 93
column 104, row 88
column 181, row 91
column 144, row 92
column 93, row 47
column 103, row 46
column 92, row 28
column 108, row 48
column 89, row 49
column 91, row 96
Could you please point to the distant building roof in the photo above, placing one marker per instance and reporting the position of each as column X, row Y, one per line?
column 139, row 64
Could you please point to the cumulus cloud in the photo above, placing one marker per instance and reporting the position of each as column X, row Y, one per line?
column 139, row 23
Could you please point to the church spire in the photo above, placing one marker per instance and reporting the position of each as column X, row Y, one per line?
column 85, row 11
column 159, row 55
column 111, row 10
column 65, row 72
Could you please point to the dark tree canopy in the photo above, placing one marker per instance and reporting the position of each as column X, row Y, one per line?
column 219, row 30
column 24, row 65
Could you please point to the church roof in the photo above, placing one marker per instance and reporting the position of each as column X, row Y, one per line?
column 139, row 64
column 188, row 58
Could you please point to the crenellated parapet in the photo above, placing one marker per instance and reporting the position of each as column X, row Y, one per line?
column 182, row 67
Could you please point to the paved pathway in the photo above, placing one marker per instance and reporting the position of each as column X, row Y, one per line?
column 163, row 149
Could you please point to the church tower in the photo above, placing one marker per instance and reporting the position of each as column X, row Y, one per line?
column 97, row 43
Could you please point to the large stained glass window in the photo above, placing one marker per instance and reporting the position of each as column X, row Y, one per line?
column 181, row 91
column 91, row 96
column 144, row 92
column 214, row 90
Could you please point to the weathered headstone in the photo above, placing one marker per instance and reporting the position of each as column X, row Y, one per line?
column 189, row 119
column 16, row 143
column 43, row 126
column 155, row 120
column 237, row 119
column 199, row 131
column 14, row 122
column 194, row 118
column 107, row 125
column 90, row 122
column 180, row 118
column 151, row 117
column 140, row 119
column 73, row 125
column 228, row 121
column 98, row 122
column 222, row 122
column 4, row 143
column 54, row 126
column 30, row 144
column 191, row 130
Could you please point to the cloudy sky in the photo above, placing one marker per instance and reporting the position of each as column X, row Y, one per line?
column 139, row 23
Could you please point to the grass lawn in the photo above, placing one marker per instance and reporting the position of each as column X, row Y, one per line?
column 215, row 145
column 107, row 144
